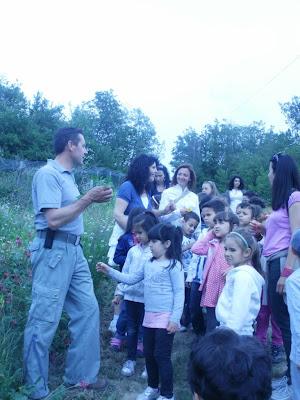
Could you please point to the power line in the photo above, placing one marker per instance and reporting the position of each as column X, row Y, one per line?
column 266, row 84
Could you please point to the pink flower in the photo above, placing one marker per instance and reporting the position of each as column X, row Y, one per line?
column 18, row 241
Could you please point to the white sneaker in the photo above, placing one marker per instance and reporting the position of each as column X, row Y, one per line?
column 182, row 328
column 113, row 324
column 165, row 398
column 144, row 374
column 149, row 394
column 128, row 368
column 280, row 389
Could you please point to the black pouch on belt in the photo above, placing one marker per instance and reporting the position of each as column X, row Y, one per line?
column 49, row 238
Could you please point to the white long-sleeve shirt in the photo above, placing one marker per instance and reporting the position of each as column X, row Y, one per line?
column 293, row 302
column 240, row 300
column 183, row 199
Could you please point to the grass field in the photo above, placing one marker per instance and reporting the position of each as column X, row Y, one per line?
column 16, row 232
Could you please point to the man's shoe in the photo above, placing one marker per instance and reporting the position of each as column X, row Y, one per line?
column 99, row 385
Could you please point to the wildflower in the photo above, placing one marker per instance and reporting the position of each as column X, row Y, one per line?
column 5, row 274
column 18, row 241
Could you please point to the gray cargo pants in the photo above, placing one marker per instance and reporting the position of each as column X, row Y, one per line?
column 61, row 280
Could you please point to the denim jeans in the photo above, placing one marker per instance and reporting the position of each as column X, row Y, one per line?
column 211, row 320
column 197, row 317
column 135, row 316
column 279, row 308
column 121, row 327
column 158, row 345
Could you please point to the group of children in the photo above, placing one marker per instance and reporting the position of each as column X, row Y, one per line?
column 205, row 273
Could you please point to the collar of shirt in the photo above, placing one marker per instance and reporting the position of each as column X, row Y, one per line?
column 59, row 167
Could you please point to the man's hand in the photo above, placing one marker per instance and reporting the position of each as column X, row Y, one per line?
column 99, row 194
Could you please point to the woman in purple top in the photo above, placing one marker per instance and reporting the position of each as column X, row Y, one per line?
column 282, row 222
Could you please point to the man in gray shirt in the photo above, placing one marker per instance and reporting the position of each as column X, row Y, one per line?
column 61, row 276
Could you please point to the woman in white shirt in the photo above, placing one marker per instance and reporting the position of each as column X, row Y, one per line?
column 235, row 193
column 180, row 195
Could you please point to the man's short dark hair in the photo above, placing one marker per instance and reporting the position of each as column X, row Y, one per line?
column 224, row 365
column 62, row 137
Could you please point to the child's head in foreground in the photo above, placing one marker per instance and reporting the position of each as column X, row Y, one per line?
column 190, row 223
column 226, row 366
column 210, row 209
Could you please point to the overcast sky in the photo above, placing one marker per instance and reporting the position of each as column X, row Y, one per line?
column 183, row 62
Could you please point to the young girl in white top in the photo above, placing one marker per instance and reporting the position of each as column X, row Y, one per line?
column 239, row 303
column 164, row 297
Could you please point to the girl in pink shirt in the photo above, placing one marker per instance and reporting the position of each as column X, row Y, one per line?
column 213, row 279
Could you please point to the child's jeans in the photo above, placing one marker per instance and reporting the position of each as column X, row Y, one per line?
column 121, row 323
column 197, row 318
column 211, row 320
column 263, row 320
column 135, row 316
column 158, row 345
column 186, row 315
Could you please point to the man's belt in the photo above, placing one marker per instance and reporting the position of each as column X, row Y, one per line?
column 60, row 235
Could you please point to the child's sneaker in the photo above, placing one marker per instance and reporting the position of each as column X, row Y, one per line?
column 128, row 368
column 144, row 374
column 182, row 328
column 281, row 389
column 140, row 350
column 149, row 394
column 278, row 354
column 115, row 344
column 113, row 324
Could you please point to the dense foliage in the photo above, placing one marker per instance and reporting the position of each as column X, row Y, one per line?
column 223, row 149
column 114, row 133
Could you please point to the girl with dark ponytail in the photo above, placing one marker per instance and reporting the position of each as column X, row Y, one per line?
column 164, row 299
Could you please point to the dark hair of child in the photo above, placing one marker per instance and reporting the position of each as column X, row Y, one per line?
column 249, row 194
column 245, row 239
column 226, row 366
column 164, row 232
column 133, row 213
column 218, row 205
column 146, row 220
column 257, row 201
column 191, row 215
column 255, row 210
column 227, row 216
column 203, row 198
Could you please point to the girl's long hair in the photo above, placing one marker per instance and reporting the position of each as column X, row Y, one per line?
column 244, row 239
column 146, row 220
column 286, row 180
column 164, row 232
column 214, row 189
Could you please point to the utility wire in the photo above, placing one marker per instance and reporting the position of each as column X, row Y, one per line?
column 266, row 84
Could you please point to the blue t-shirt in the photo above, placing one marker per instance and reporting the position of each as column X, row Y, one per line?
column 128, row 193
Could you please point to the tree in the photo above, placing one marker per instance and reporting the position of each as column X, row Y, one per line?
column 291, row 111
column 115, row 134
